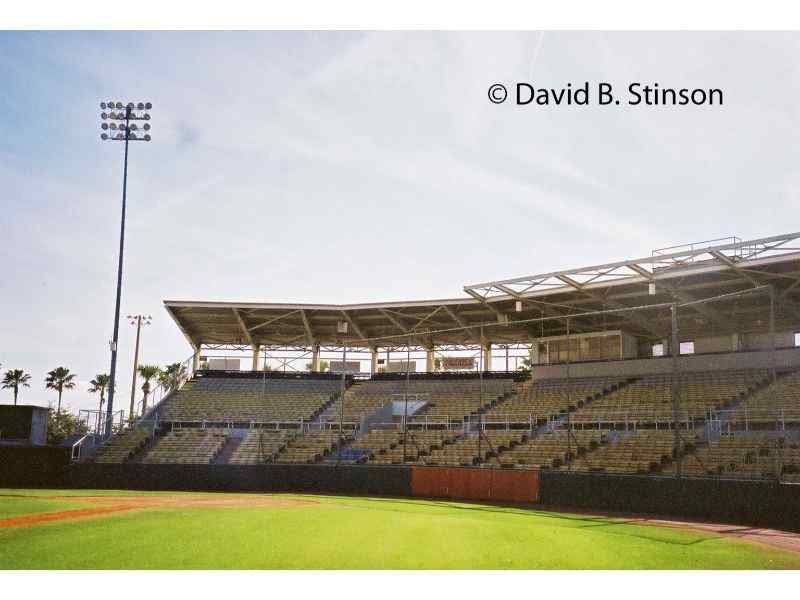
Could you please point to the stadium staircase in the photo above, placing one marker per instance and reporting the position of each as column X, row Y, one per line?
column 518, row 390
column 232, row 443
column 524, row 388
column 714, row 428
column 126, row 447
column 326, row 412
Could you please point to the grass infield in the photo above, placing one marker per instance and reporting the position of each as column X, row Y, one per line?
column 63, row 529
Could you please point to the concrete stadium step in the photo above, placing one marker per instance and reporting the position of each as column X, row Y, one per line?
column 232, row 443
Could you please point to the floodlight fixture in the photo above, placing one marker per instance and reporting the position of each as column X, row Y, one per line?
column 125, row 113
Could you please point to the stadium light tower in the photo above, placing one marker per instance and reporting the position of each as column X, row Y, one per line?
column 138, row 321
column 120, row 124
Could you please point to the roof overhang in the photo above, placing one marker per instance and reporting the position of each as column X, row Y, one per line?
column 490, row 313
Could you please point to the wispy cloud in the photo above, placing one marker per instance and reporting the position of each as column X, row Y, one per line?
column 284, row 162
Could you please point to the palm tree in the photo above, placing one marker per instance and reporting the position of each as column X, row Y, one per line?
column 172, row 376
column 60, row 379
column 100, row 384
column 14, row 379
column 148, row 373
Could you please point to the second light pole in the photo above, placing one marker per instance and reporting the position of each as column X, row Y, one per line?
column 137, row 320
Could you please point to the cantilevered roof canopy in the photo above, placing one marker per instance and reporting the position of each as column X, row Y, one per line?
column 525, row 308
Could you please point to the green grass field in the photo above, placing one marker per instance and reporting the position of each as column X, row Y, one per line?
column 288, row 531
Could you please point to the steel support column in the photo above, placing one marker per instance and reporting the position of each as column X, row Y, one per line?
column 196, row 358
column 315, row 359
column 675, row 350
column 430, row 364
column 486, row 351
column 772, row 331
column 256, row 351
column 373, row 361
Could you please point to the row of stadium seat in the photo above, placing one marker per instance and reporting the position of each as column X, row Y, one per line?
column 644, row 451
column 446, row 400
column 744, row 456
column 260, row 446
column 779, row 401
column 550, row 450
column 122, row 447
column 187, row 446
column 548, row 398
column 312, row 446
column 223, row 400
column 648, row 400
column 473, row 449
column 385, row 446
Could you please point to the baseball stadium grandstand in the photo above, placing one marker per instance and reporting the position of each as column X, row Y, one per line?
column 685, row 363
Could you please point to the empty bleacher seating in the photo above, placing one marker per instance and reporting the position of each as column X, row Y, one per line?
column 386, row 445
column 245, row 400
column 743, row 456
column 312, row 446
column 649, row 399
column 261, row 446
column 472, row 449
column 545, row 399
column 774, row 404
column 618, row 425
column 643, row 451
column 187, row 446
column 122, row 446
column 359, row 402
column 551, row 450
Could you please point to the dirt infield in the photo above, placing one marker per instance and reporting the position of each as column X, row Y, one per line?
column 107, row 505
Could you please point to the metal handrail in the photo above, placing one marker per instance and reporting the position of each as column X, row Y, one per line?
column 75, row 451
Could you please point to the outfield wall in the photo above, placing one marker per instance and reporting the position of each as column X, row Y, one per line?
column 345, row 479
column 32, row 467
column 38, row 466
column 758, row 503
column 761, row 503
column 495, row 485
column 428, row 482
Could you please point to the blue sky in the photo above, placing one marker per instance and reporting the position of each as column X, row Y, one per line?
column 336, row 167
